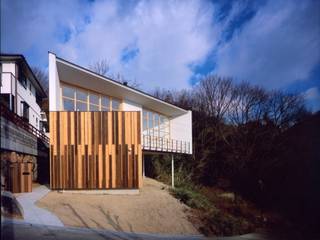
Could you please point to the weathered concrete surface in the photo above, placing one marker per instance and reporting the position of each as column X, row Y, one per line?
column 16, row 139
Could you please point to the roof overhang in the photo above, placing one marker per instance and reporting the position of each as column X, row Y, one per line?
column 79, row 76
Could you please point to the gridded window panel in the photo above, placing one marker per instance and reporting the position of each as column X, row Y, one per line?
column 68, row 92
column 145, row 114
column 94, row 107
column 115, row 105
column 156, row 120
column 81, row 95
column 145, row 124
column 94, row 99
column 105, row 102
column 150, row 120
column 68, row 104
column 81, row 106
column 105, row 108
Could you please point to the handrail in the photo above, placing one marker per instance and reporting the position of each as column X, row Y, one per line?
column 165, row 144
column 13, row 117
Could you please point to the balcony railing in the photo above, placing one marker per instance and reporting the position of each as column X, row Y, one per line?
column 161, row 144
column 11, row 116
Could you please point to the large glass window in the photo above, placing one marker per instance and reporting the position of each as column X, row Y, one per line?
column 155, row 124
column 74, row 99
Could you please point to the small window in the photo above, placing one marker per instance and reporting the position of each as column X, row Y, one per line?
column 145, row 126
column 82, row 96
column 115, row 105
column 150, row 118
column 94, row 107
column 68, row 92
column 68, row 105
column 81, row 106
column 105, row 102
column 94, row 99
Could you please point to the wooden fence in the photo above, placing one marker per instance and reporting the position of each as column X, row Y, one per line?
column 95, row 150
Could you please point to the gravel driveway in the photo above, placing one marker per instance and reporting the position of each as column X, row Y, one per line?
column 154, row 210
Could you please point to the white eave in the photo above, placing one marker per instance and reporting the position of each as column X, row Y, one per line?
column 79, row 76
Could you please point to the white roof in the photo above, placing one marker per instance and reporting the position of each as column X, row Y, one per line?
column 79, row 76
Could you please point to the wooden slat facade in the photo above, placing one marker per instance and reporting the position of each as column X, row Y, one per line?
column 95, row 150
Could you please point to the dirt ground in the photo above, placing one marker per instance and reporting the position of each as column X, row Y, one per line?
column 154, row 210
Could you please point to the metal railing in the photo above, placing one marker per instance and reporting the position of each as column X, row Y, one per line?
column 161, row 144
column 20, row 122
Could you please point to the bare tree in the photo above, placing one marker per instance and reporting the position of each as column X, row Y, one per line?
column 120, row 78
column 42, row 77
column 102, row 67
column 248, row 105
column 284, row 108
column 215, row 95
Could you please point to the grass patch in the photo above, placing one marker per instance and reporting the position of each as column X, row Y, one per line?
column 219, row 223
column 191, row 198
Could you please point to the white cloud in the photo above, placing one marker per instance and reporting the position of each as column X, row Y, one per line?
column 279, row 46
column 312, row 96
column 169, row 35
column 33, row 27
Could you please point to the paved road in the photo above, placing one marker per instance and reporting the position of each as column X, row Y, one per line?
column 20, row 230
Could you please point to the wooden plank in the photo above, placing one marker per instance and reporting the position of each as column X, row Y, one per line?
column 95, row 150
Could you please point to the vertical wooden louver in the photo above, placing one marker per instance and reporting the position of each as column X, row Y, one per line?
column 95, row 150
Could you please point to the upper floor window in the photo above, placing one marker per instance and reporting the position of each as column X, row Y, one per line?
column 81, row 100
column 115, row 105
column 155, row 124
column 25, row 110
column 105, row 103
column 68, row 98
column 76, row 99
column 22, row 78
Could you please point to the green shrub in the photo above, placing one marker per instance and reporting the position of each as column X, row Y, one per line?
column 220, row 223
column 191, row 198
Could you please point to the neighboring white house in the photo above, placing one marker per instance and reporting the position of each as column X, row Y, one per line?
column 21, row 92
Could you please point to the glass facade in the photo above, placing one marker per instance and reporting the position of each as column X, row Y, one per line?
column 155, row 125
column 75, row 99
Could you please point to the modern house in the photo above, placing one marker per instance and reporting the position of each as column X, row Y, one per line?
column 23, row 142
column 100, row 129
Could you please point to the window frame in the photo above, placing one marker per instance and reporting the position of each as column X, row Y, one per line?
column 88, row 102
column 158, row 129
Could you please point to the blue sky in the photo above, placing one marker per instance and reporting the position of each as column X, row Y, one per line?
column 172, row 44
